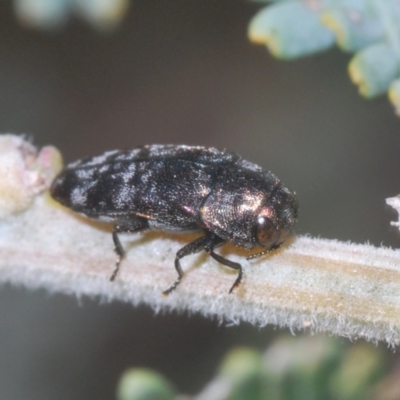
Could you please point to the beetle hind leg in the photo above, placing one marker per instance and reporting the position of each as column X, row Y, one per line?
column 130, row 225
column 119, row 250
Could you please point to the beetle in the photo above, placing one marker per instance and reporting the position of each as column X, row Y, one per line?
column 181, row 188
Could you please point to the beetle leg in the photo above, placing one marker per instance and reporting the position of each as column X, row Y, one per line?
column 229, row 264
column 128, row 225
column 193, row 247
column 215, row 241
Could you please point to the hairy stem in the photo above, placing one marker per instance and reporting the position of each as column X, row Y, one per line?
column 325, row 285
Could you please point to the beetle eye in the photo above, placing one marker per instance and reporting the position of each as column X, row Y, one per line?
column 266, row 232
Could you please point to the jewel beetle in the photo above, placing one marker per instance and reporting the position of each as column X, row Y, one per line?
column 182, row 188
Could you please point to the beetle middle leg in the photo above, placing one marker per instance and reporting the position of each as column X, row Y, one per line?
column 128, row 225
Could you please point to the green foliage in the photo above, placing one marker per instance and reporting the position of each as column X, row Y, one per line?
column 303, row 368
column 289, row 28
column 143, row 384
column 292, row 29
column 374, row 69
column 51, row 14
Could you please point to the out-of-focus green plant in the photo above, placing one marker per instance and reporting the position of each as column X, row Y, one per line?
column 294, row 28
column 51, row 14
column 289, row 28
column 143, row 384
column 305, row 368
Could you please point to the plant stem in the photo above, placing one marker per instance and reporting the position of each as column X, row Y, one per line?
column 324, row 285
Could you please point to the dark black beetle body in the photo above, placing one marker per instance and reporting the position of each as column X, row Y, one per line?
column 181, row 188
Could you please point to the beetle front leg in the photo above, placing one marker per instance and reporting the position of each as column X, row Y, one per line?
column 193, row 247
column 229, row 264
column 215, row 241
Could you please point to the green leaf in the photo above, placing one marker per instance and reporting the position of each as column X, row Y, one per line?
column 373, row 69
column 290, row 30
column 143, row 384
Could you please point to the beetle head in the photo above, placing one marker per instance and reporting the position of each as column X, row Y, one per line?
column 276, row 218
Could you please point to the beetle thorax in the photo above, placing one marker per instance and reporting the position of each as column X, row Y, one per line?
column 232, row 214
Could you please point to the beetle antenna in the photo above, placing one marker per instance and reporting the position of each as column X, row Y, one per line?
column 262, row 253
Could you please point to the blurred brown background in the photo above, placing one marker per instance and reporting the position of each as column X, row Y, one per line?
column 181, row 72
